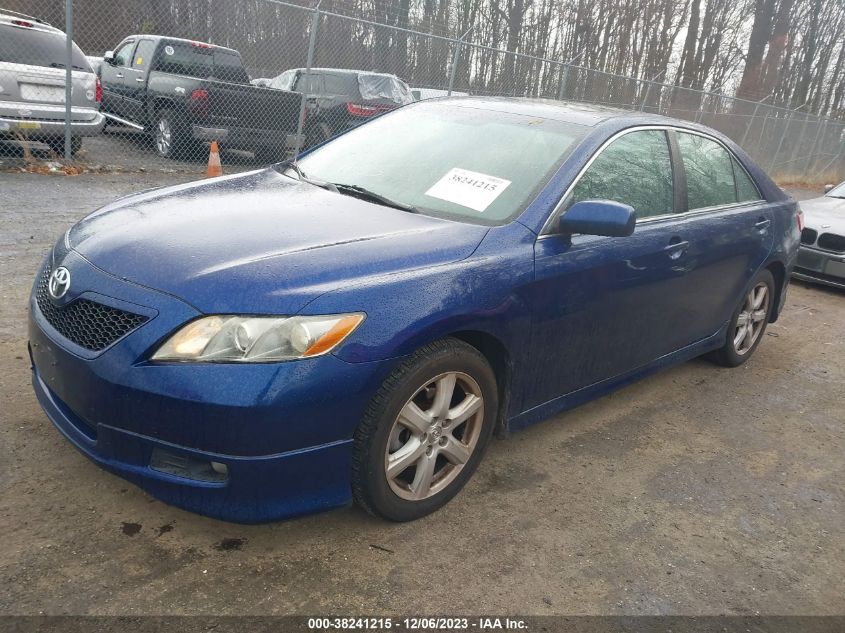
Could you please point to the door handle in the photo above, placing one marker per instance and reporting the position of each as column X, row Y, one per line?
column 762, row 224
column 119, row 75
column 676, row 248
column 140, row 80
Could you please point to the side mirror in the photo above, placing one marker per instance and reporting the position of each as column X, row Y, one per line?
column 828, row 188
column 599, row 217
column 109, row 58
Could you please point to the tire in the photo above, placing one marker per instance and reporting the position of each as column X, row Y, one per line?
column 451, row 448
column 170, row 136
column 748, row 314
column 57, row 145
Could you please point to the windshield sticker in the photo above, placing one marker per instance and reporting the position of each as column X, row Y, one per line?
column 468, row 188
column 169, row 50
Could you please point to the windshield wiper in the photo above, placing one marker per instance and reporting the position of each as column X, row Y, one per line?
column 291, row 164
column 365, row 194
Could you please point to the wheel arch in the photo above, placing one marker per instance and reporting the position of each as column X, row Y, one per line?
column 778, row 270
column 497, row 354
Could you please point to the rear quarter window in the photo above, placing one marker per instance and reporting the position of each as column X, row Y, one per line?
column 746, row 190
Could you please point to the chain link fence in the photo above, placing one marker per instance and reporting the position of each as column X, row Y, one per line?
column 152, row 83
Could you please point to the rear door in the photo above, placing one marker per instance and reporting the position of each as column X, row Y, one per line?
column 729, row 229
column 112, row 78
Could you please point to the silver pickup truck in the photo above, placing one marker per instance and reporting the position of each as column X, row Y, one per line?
column 33, row 58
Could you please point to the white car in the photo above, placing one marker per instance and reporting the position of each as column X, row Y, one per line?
column 821, row 257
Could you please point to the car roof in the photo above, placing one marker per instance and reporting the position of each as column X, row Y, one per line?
column 347, row 71
column 565, row 111
column 8, row 18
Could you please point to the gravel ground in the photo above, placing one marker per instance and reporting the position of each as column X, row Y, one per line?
column 700, row 490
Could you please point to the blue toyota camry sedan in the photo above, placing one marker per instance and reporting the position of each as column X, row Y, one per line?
column 357, row 324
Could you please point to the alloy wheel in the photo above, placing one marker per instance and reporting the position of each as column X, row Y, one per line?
column 164, row 137
column 434, row 436
column 752, row 318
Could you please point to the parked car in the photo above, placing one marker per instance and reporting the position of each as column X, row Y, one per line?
column 358, row 324
column 185, row 93
column 340, row 99
column 33, row 59
column 821, row 257
column 421, row 94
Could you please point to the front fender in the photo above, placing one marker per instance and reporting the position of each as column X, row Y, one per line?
column 406, row 310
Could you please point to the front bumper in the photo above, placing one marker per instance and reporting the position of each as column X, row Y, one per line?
column 820, row 266
column 36, row 128
column 283, row 431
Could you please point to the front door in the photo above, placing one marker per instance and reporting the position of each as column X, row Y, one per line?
column 603, row 306
column 112, row 78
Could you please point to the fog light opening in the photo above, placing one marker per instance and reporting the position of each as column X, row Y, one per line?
column 188, row 467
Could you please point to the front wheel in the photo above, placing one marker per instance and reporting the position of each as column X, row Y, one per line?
column 749, row 321
column 425, row 431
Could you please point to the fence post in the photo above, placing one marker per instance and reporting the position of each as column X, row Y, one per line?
column 309, row 61
column 564, row 78
column 819, row 127
column 751, row 121
column 68, row 76
column 780, row 144
column 456, row 57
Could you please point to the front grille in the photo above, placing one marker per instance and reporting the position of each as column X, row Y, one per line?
column 808, row 236
column 89, row 324
column 832, row 242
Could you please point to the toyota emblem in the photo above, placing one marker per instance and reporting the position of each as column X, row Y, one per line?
column 59, row 283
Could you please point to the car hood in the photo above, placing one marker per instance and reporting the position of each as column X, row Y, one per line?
column 261, row 242
column 825, row 211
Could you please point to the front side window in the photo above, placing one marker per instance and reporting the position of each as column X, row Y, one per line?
column 635, row 169
column 709, row 170
column 458, row 162
column 123, row 55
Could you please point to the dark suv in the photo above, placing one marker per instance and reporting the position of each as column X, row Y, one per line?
column 340, row 98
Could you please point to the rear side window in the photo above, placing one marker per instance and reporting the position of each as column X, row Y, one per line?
column 143, row 54
column 746, row 191
column 710, row 172
column 635, row 169
column 25, row 45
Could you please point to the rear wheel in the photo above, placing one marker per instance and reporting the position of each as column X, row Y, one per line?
column 425, row 431
column 170, row 135
column 749, row 322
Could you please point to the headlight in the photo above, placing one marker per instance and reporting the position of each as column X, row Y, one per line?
column 228, row 338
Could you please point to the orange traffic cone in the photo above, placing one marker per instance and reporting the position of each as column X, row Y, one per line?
column 214, row 166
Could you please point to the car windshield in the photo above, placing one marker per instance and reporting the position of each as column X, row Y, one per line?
column 838, row 191
column 449, row 160
column 21, row 45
